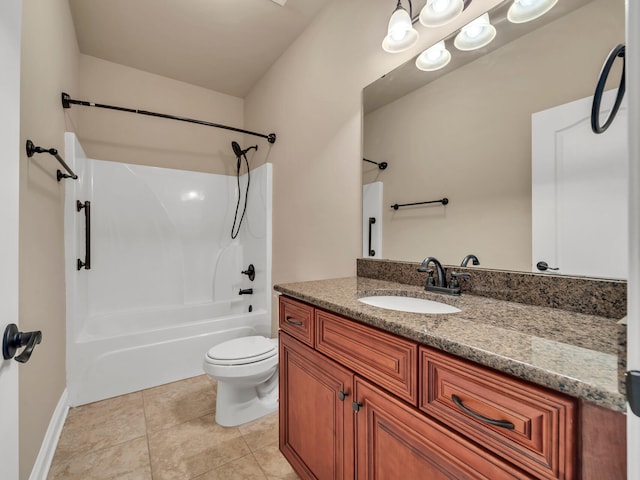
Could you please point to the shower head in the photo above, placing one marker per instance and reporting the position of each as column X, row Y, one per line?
column 238, row 151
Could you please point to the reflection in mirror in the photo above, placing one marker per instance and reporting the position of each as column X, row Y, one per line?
column 465, row 133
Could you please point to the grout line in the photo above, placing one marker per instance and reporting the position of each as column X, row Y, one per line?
column 146, row 431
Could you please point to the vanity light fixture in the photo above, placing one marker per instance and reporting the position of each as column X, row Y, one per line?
column 400, row 34
column 522, row 11
column 440, row 12
column 476, row 34
column 434, row 58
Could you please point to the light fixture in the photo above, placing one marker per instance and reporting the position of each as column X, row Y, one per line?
column 400, row 34
column 522, row 11
column 440, row 12
column 434, row 58
column 476, row 34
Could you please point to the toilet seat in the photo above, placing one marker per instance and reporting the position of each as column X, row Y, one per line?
column 242, row 351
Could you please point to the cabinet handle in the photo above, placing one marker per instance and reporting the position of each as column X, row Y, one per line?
column 342, row 395
column 498, row 423
column 292, row 322
column 356, row 406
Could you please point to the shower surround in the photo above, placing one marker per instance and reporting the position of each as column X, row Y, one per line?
column 165, row 275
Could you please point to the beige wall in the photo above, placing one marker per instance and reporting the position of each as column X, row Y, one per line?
column 131, row 138
column 49, row 64
column 311, row 97
column 467, row 136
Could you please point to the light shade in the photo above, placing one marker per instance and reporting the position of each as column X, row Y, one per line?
column 440, row 12
column 475, row 34
column 434, row 58
column 400, row 35
column 522, row 11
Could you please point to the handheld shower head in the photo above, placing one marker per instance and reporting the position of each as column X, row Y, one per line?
column 238, row 151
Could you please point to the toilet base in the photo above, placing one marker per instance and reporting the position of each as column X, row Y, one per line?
column 236, row 405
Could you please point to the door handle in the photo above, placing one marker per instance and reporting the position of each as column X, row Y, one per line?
column 14, row 339
column 543, row 266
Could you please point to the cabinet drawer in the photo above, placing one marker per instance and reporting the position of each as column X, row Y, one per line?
column 532, row 427
column 296, row 318
column 389, row 361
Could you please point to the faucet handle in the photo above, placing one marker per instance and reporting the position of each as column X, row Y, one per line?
column 454, row 279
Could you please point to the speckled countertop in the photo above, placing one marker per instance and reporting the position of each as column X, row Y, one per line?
column 569, row 352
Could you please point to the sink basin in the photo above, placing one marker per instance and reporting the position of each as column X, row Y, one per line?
column 408, row 304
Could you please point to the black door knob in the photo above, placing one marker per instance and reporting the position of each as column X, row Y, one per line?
column 13, row 339
column 542, row 266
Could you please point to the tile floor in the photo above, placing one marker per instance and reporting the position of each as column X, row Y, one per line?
column 166, row 433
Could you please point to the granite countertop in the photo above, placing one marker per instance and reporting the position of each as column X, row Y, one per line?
column 573, row 353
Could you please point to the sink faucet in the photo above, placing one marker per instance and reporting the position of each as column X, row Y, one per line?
column 442, row 278
column 440, row 285
column 466, row 259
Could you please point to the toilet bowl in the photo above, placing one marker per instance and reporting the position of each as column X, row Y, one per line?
column 246, row 369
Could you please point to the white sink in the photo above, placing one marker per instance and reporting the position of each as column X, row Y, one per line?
column 408, row 304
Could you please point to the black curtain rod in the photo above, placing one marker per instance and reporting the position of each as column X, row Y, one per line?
column 67, row 101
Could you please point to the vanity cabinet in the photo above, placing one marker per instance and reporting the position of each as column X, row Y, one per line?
column 360, row 403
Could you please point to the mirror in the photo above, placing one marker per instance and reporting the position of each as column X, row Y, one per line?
column 464, row 133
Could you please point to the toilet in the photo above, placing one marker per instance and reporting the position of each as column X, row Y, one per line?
column 246, row 369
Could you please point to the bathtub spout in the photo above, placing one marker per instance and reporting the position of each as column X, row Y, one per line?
column 246, row 291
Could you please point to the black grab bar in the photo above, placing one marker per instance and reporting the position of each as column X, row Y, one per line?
column 87, row 234
column 372, row 220
column 31, row 149
column 396, row 206
column 618, row 51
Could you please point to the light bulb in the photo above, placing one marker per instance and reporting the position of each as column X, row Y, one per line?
column 400, row 34
column 522, row 11
column 433, row 58
column 475, row 34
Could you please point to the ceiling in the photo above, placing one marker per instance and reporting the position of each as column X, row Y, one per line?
column 222, row 45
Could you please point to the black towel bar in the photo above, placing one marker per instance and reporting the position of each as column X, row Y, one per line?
column 31, row 149
column 396, row 206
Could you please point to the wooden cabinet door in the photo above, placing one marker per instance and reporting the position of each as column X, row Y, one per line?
column 395, row 441
column 316, row 426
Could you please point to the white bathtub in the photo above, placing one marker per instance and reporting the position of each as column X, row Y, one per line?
column 107, row 364
column 165, row 275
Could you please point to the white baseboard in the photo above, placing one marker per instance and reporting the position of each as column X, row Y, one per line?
column 50, row 442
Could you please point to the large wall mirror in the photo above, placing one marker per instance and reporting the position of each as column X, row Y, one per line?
column 464, row 133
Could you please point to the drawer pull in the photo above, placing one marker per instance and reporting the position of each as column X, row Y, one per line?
column 292, row 322
column 498, row 423
column 342, row 395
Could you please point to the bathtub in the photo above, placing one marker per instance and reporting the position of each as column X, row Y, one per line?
column 108, row 362
column 165, row 274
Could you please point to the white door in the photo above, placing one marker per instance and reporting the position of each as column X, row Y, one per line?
column 10, row 25
column 579, row 184
column 633, row 323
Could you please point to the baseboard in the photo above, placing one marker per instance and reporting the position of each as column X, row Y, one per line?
column 50, row 442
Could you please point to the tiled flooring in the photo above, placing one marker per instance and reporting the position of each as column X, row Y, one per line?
column 166, row 433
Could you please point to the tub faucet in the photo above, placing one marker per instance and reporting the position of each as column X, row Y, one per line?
column 466, row 259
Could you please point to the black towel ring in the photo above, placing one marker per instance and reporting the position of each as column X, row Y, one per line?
column 617, row 51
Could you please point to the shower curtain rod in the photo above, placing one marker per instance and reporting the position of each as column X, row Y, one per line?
column 67, row 101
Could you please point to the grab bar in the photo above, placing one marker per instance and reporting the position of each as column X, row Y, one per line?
column 31, row 149
column 87, row 234
column 372, row 220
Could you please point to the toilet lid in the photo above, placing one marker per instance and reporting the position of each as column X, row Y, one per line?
column 240, row 351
